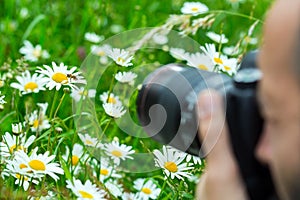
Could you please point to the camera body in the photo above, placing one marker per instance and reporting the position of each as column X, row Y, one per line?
column 167, row 110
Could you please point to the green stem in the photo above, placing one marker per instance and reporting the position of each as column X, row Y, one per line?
column 60, row 103
column 53, row 104
column 112, row 83
column 162, row 189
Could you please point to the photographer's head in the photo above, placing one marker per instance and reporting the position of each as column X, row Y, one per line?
column 279, row 94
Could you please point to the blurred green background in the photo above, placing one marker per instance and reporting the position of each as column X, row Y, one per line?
column 59, row 26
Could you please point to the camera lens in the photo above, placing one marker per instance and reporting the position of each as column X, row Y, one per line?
column 167, row 104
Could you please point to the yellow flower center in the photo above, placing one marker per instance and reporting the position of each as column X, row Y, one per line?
column 120, row 60
column 83, row 93
column 104, row 172
column 75, row 160
column 22, row 166
column 202, row 67
column 89, row 142
column 85, row 195
column 194, row 9
column 112, row 100
column 60, row 78
column 171, row 166
column 37, row 53
column 218, row 60
column 36, row 123
column 14, row 147
column 37, row 165
column 146, row 190
column 30, row 86
column 227, row 68
column 101, row 53
column 247, row 39
column 18, row 176
column 116, row 153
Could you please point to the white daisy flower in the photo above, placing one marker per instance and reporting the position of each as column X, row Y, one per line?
column 37, row 119
column 39, row 164
column 217, row 38
column 28, row 84
column 10, row 144
column 93, row 37
column 17, row 128
column 160, row 39
column 114, row 110
column 89, row 141
column 113, row 99
column 120, row 56
column 118, row 151
column 2, row 99
column 128, row 196
column 107, row 171
column 230, row 66
column 172, row 163
column 146, row 189
column 32, row 53
column 231, row 50
column 195, row 159
column 86, row 190
column 81, row 92
column 193, row 8
column 114, row 188
column 101, row 51
column 15, row 168
column 200, row 61
column 178, row 53
column 125, row 77
column 58, row 76
column 216, row 57
column 76, row 156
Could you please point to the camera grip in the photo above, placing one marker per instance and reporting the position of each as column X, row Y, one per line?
column 245, row 126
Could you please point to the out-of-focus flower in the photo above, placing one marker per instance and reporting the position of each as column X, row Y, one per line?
column 101, row 51
column 32, row 53
column 235, row 3
column 118, row 151
column 28, row 84
column 114, row 110
column 120, row 56
column 107, row 171
column 86, row 190
column 37, row 119
column 126, row 77
column 2, row 99
column 58, row 76
column 93, row 37
column 178, row 53
column 89, row 141
column 172, row 163
column 217, row 38
column 113, row 99
column 146, row 189
column 81, row 92
column 160, row 39
column 17, row 128
column 193, row 8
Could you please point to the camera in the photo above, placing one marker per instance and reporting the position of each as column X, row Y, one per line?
column 167, row 110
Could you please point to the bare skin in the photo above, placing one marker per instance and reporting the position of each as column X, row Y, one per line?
column 279, row 96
